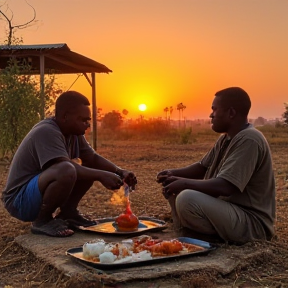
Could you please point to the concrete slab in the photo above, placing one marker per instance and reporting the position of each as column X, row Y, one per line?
column 52, row 250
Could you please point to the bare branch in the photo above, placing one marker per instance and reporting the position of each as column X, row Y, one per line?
column 20, row 26
column 25, row 25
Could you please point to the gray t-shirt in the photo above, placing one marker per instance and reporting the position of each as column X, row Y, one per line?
column 247, row 164
column 43, row 143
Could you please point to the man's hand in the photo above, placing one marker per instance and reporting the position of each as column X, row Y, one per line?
column 110, row 180
column 162, row 176
column 173, row 186
column 130, row 179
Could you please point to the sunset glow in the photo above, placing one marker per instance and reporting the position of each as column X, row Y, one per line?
column 167, row 52
column 142, row 107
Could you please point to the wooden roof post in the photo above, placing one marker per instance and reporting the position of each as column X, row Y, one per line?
column 94, row 112
column 42, row 87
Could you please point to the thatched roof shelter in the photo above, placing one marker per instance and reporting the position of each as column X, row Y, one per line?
column 56, row 59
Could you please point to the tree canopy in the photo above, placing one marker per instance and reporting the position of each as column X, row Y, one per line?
column 112, row 120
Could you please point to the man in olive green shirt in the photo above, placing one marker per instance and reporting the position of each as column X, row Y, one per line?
column 230, row 192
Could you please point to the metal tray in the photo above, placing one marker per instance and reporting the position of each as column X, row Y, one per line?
column 108, row 226
column 77, row 254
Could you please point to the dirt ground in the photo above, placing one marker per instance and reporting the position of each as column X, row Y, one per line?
column 20, row 268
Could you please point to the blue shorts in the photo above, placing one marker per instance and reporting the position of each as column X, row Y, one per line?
column 27, row 203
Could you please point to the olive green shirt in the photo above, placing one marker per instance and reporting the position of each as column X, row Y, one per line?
column 247, row 164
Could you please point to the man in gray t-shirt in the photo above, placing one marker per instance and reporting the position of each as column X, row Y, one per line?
column 54, row 167
column 230, row 192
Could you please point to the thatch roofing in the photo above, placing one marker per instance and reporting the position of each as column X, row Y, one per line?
column 59, row 59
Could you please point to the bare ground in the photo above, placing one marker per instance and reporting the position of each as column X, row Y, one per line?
column 20, row 268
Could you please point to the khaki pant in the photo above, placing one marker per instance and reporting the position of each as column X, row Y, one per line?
column 208, row 215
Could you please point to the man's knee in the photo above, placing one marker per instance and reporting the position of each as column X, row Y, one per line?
column 65, row 169
column 191, row 207
column 187, row 198
column 63, row 173
column 191, row 203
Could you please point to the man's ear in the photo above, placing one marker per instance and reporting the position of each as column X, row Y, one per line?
column 64, row 117
column 232, row 112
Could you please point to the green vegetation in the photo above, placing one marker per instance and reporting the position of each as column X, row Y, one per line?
column 20, row 104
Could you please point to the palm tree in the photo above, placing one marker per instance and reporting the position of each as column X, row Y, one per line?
column 180, row 107
column 166, row 109
column 170, row 111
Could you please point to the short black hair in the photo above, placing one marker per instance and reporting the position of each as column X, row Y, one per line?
column 237, row 98
column 69, row 101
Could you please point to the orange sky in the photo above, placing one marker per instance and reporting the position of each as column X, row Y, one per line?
column 163, row 52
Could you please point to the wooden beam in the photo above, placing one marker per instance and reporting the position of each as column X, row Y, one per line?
column 42, row 86
column 94, row 111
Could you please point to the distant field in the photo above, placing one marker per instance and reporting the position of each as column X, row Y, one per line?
column 146, row 153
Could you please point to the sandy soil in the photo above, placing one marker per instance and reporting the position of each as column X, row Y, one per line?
column 146, row 159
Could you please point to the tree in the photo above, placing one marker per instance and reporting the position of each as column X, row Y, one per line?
column 11, row 27
column 112, row 120
column 181, row 107
column 260, row 121
column 19, row 106
column 166, row 109
column 170, row 111
column 52, row 91
column 20, row 103
column 285, row 114
column 125, row 112
column 99, row 114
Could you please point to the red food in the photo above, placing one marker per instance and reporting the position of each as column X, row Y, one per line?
column 127, row 221
column 159, row 247
column 166, row 248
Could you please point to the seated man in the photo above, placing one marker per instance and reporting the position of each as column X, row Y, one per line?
column 43, row 175
column 230, row 192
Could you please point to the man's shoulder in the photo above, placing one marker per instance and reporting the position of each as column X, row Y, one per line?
column 252, row 134
column 48, row 122
column 46, row 125
column 251, row 131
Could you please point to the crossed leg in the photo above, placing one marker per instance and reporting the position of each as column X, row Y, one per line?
column 213, row 216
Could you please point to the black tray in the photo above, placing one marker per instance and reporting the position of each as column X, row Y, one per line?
column 108, row 226
column 77, row 254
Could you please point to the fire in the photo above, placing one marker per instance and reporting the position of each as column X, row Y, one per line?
column 118, row 197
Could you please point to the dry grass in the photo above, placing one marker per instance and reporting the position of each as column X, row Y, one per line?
column 146, row 158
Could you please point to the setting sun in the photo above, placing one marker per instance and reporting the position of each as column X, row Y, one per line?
column 142, row 107
column 152, row 73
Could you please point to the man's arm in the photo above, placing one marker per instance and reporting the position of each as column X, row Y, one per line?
column 214, row 187
column 194, row 171
column 101, row 163
column 86, row 173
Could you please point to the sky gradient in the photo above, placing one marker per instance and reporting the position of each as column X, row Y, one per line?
column 163, row 52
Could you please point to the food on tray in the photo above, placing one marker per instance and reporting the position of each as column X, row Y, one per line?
column 137, row 249
column 127, row 221
column 94, row 248
column 158, row 247
column 107, row 257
